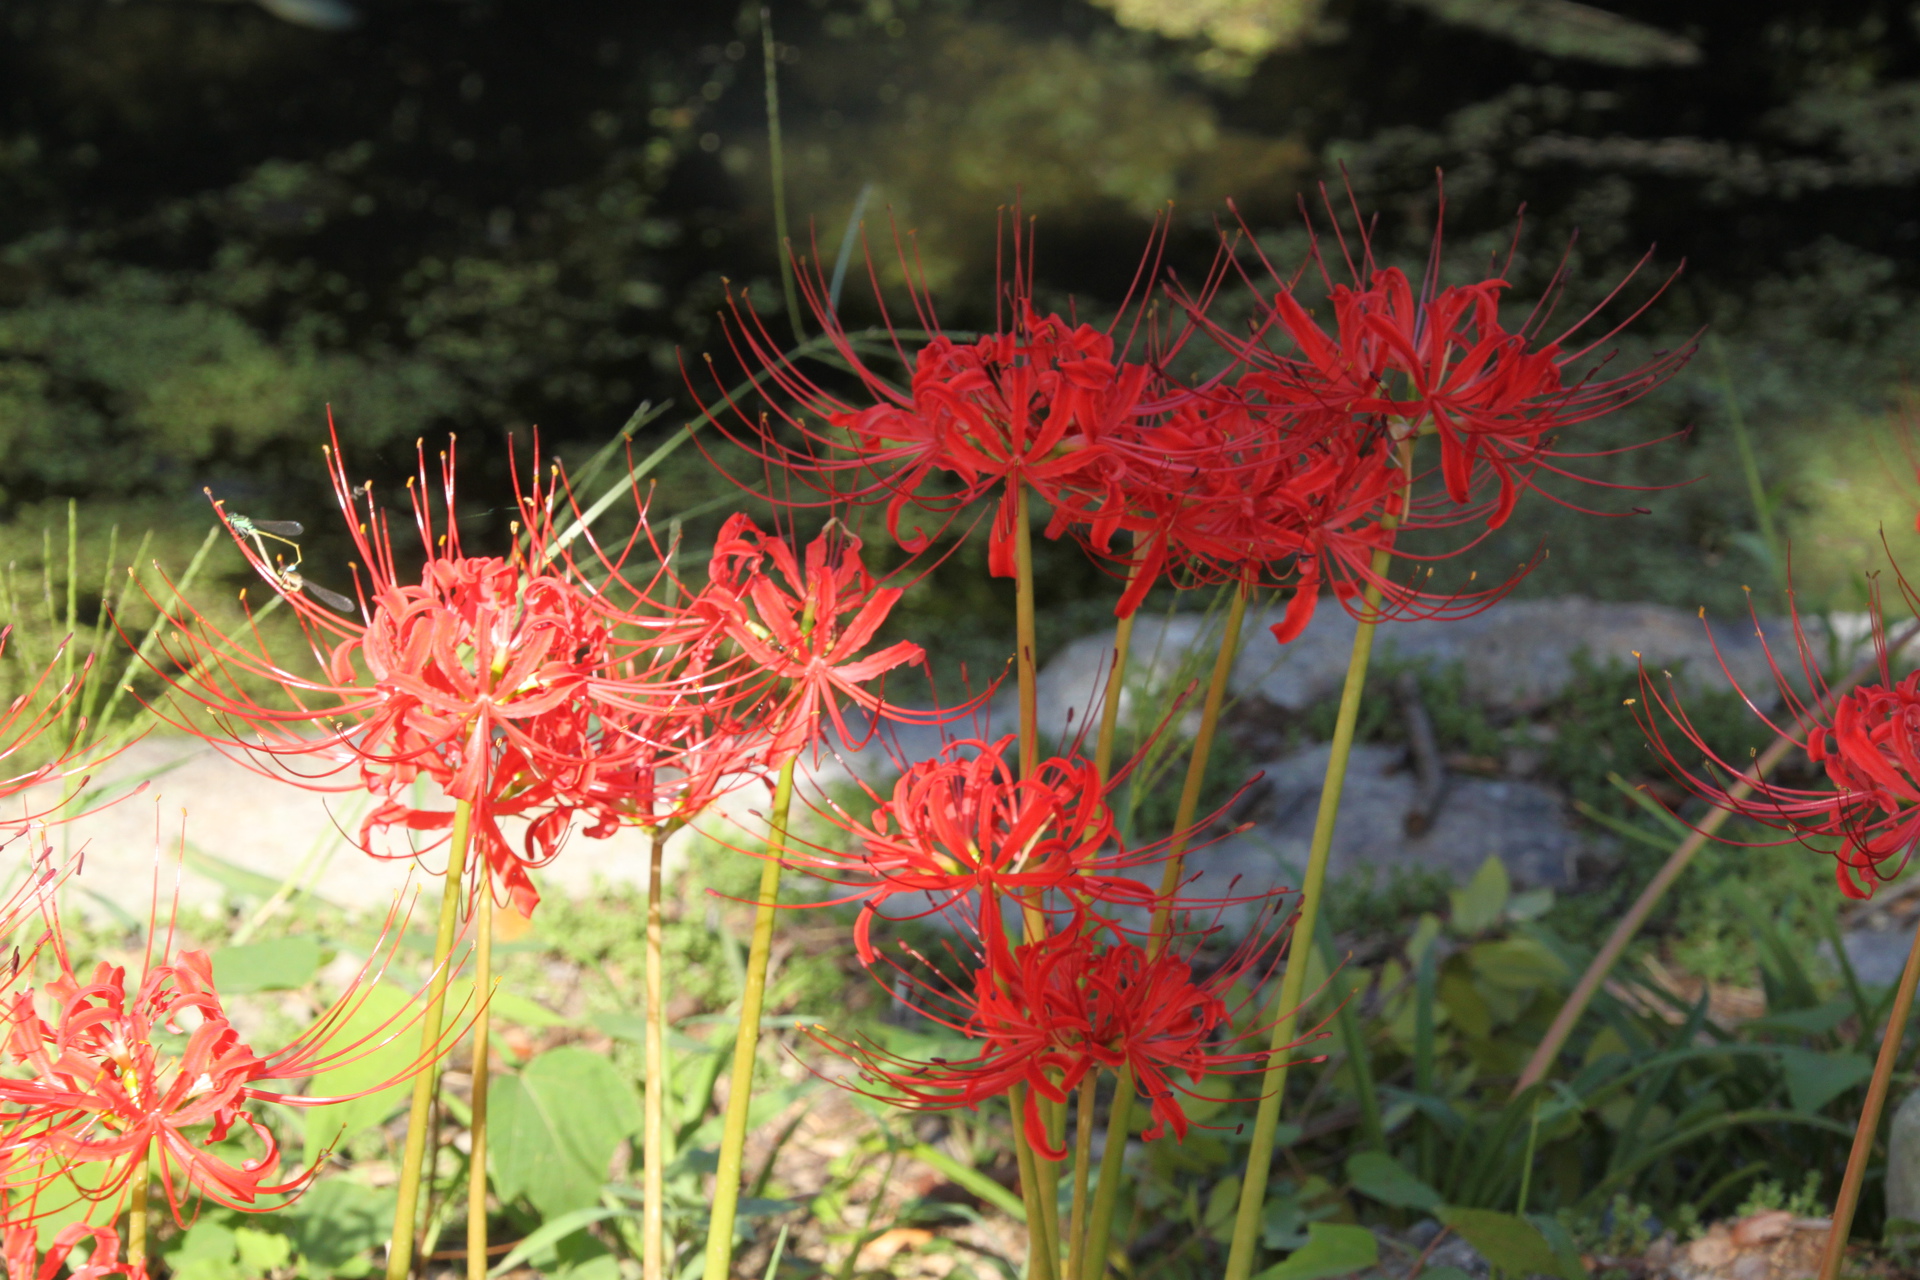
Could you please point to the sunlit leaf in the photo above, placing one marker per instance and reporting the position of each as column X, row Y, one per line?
column 554, row 1127
column 280, row 965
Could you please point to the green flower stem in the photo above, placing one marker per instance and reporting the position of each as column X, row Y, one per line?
column 653, row 1256
column 1042, row 1245
column 1120, row 1119
column 1082, row 1159
column 407, row 1208
column 1094, row 1257
column 482, row 1067
column 1041, row 1175
column 1253, row 1191
column 1197, row 768
column 746, row 1042
column 1869, row 1127
column 137, row 1209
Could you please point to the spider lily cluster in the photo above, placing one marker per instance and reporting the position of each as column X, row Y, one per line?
column 571, row 688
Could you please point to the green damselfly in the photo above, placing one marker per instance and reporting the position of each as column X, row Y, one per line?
column 287, row 575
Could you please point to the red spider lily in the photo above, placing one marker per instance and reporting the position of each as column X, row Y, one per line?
column 1046, row 1013
column 1027, row 406
column 1866, row 741
column 1440, row 360
column 24, row 1262
column 964, row 825
column 801, row 628
column 106, row 1076
column 508, row 682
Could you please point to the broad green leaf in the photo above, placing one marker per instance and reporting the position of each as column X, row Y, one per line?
column 261, row 1251
column 1510, row 1243
column 280, row 965
column 336, row 1221
column 554, row 1127
column 381, row 1017
column 1332, row 1249
column 1477, row 907
column 1222, row 1201
column 204, row 1240
column 72, row 1194
column 1814, row 1079
column 205, row 1252
column 1517, row 964
column 1379, row 1175
column 505, row 1006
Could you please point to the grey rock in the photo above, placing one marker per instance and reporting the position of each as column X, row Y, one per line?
column 1877, row 957
column 1515, row 656
column 1903, row 1161
column 1524, row 824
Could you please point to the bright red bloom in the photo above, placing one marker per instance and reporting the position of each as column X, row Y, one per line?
column 963, row 826
column 1028, row 406
column 103, row 1079
column 22, row 1248
column 508, row 682
column 1439, row 360
column 801, row 629
column 1866, row 741
column 1046, row 1013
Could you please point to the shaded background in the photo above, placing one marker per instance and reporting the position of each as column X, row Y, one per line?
column 483, row 215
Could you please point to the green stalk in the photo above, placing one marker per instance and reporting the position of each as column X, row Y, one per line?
column 1197, row 768
column 482, row 1069
column 406, row 1210
column 137, row 1209
column 654, row 1140
column 746, row 1043
column 1043, row 1226
column 1079, row 1221
column 1119, row 1120
column 1253, row 1190
column 1107, row 1195
column 1042, row 1245
column 1869, row 1127
column 1082, row 1158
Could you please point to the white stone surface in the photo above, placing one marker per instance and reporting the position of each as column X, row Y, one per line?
column 131, row 849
